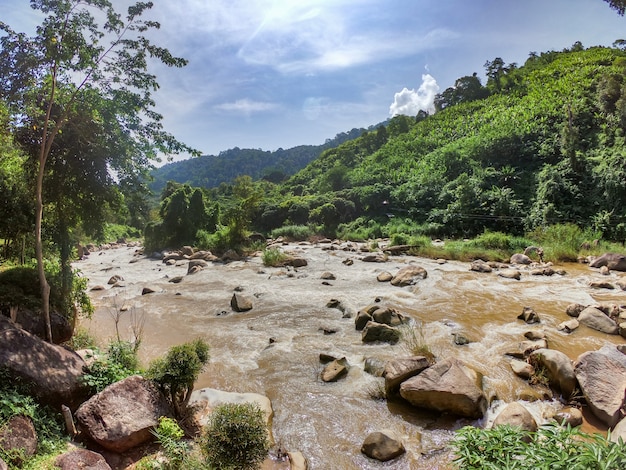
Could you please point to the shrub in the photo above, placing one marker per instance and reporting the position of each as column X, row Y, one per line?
column 293, row 232
column 236, row 437
column 273, row 257
column 552, row 446
column 179, row 453
column 120, row 361
column 176, row 373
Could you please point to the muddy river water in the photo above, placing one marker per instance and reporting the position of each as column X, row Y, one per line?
column 274, row 348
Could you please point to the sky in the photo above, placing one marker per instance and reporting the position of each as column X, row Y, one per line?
column 275, row 74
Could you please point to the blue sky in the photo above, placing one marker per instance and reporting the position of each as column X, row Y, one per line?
column 280, row 73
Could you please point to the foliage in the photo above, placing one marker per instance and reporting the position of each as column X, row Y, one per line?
column 273, row 257
column 82, row 339
column 236, row 437
column 552, row 446
column 176, row 373
column 16, row 401
column 293, row 232
column 563, row 241
column 179, row 453
column 118, row 362
column 414, row 341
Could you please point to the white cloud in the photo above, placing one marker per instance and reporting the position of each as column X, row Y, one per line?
column 246, row 106
column 410, row 102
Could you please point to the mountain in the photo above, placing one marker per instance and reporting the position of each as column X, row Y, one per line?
column 210, row 171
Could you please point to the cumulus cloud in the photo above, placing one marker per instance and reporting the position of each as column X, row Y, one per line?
column 410, row 102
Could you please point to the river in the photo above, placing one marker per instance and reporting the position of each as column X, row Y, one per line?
column 274, row 348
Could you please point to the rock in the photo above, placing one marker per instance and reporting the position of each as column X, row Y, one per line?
column 204, row 400
column 3, row 465
column 148, row 290
column 526, row 347
column 240, row 303
column 362, row 318
column 480, row 266
column 98, row 287
column 18, row 439
column 398, row 370
column 230, row 255
column 375, row 258
column 559, row 369
column 522, row 369
column 605, row 271
column 569, row 416
column 543, row 272
column 568, row 326
column 535, row 335
column 296, row 262
column 460, row 339
column 602, row 379
column 123, row 414
column 186, row 250
column 621, row 283
column 204, row 255
column 385, row 276
column 379, row 332
column 519, row 258
column 622, row 329
column 114, row 279
column 529, row 316
column 81, row 459
column 510, row 274
column 176, row 279
column 328, row 276
column 396, row 250
column 408, row 276
column 619, row 431
column 613, row 261
column 297, row 461
column 597, row 320
column 573, row 310
column 516, row 415
column 196, row 265
column 383, row 446
column 388, row 316
column 601, row 285
column 335, row 370
column 53, row 372
column 34, row 323
column 446, row 387
column 374, row 366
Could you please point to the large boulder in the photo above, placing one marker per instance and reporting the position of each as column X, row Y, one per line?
column 18, row 439
column 388, row 316
column 408, row 276
column 516, row 415
column 559, row 369
column 447, row 386
column 597, row 320
column 383, row 446
column 54, row 373
column 613, row 261
column 81, row 459
column 240, row 303
column 519, row 258
column 398, row 370
column 379, row 332
column 602, row 378
column 34, row 323
column 123, row 415
column 619, row 431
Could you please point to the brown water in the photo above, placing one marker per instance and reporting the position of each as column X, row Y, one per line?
column 328, row 422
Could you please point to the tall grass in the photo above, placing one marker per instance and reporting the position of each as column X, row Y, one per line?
column 293, row 232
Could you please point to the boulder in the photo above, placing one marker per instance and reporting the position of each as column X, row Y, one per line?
column 335, row 370
column 510, row 274
column 516, row 415
column 573, row 310
column 115, row 278
column 619, row 431
column 34, row 323
column 602, row 378
column 53, row 372
column 374, row 258
column 388, row 316
column 18, row 438
column 408, row 276
column 81, row 459
column 601, row 285
column 597, row 320
column 123, row 415
column 240, row 303
column 529, row 316
column 446, row 387
column 149, row 290
column 398, row 370
column 328, row 276
column 296, row 262
column 383, row 446
column 3, row 465
column 186, row 250
column 522, row 369
column 196, row 265
column 613, row 261
column 379, row 332
column 230, row 255
column 569, row 416
column 361, row 319
column 526, row 347
column 568, row 326
column 385, row 276
column 519, row 258
column 480, row 266
column 559, row 369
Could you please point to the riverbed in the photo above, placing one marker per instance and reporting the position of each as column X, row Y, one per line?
column 274, row 348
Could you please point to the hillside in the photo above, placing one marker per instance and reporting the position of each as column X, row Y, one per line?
column 209, row 171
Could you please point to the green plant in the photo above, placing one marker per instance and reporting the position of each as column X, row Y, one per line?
column 82, row 339
column 176, row 373
column 120, row 361
column 236, row 437
column 293, row 232
column 273, row 257
column 551, row 447
column 412, row 336
column 179, row 453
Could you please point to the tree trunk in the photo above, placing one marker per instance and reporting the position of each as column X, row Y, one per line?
column 43, row 282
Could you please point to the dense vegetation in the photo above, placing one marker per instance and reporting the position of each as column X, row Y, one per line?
column 539, row 145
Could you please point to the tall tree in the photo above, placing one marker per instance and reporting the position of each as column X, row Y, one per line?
column 84, row 50
column 618, row 5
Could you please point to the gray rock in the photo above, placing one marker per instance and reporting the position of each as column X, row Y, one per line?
column 383, row 446
column 335, row 370
column 559, row 369
column 81, row 459
column 398, row 370
column 597, row 320
column 529, row 316
column 519, row 258
column 516, row 415
column 379, row 332
column 408, row 276
column 240, row 303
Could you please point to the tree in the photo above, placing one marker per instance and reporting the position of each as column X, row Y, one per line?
column 48, row 78
column 617, row 5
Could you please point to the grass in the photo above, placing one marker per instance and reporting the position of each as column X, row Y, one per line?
column 293, row 232
column 412, row 337
column 273, row 257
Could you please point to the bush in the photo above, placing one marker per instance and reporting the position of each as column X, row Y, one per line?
column 293, row 232
column 179, row 453
column 236, row 437
column 120, row 361
column 551, row 447
column 176, row 373
column 273, row 257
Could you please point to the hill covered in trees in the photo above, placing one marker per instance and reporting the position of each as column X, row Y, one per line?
column 209, row 171
column 537, row 145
